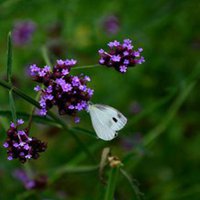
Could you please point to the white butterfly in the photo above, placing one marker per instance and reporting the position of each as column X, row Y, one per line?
column 106, row 120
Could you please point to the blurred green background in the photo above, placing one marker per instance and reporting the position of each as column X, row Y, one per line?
column 160, row 97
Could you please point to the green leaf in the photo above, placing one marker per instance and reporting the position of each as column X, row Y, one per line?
column 12, row 106
column 112, row 181
column 9, row 58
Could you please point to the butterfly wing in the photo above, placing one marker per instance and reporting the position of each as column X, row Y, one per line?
column 116, row 119
column 101, row 129
column 106, row 120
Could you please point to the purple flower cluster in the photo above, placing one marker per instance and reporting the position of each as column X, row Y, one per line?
column 69, row 93
column 38, row 182
column 23, row 32
column 20, row 145
column 121, row 56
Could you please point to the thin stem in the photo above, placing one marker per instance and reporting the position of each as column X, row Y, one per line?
column 45, row 56
column 112, row 183
column 28, row 169
column 135, row 188
column 12, row 107
column 86, row 67
column 32, row 112
column 72, row 169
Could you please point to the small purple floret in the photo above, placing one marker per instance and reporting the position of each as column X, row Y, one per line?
column 6, row 145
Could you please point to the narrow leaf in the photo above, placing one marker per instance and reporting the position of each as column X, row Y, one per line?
column 9, row 58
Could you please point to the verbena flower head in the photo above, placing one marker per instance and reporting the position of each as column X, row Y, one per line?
column 22, row 32
column 133, row 142
column 20, row 146
column 121, row 56
column 135, row 107
column 69, row 93
column 37, row 182
column 111, row 24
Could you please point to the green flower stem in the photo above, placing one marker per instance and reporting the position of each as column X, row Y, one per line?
column 71, row 169
column 86, row 67
column 28, row 169
column 110, row 190
column 51, row 114
column 45, row 56
column 134, row 187
column 30, row 194
column 12, row 107
column 32, row 112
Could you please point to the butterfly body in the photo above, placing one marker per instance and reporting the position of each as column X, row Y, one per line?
column 106, row 121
